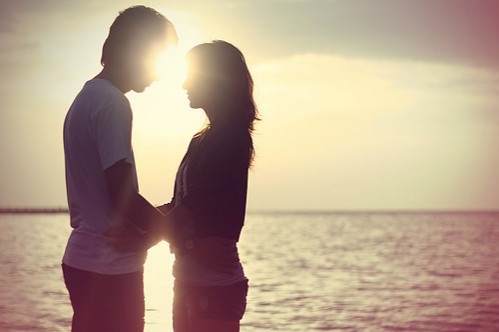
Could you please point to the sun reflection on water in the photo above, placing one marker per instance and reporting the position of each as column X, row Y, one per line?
column 307, row 272
column 158, row 285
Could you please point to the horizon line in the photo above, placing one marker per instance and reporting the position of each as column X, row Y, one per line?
column 51, row 210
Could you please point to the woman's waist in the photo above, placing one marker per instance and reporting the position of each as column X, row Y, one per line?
column 188, row 269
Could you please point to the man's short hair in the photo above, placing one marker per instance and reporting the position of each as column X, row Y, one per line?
column 134, row 27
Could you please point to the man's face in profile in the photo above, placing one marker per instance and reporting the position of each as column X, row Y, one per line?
column 143, row 66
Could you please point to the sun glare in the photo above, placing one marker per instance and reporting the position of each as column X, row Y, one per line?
column 167, row 93
column 171, row 65
column 158, row 284
column 163, row 120
column 164, row 124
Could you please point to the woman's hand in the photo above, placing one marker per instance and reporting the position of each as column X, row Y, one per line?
column 126, row 238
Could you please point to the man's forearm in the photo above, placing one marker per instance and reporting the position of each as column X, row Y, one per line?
column 130, row 205
column 148, row 218
column 142, row 213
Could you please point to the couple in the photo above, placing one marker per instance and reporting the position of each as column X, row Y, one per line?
column 114, row 225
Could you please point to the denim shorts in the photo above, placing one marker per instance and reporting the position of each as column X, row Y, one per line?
column 105, row 303
column 213, row 303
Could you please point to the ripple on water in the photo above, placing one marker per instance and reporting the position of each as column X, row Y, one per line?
column 308, row 272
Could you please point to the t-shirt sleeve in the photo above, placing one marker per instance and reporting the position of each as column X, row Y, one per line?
column 114, row 134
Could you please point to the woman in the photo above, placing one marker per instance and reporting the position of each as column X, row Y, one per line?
column 211, row 184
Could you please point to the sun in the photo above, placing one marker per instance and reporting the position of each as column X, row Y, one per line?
column 163, row 121
column 171, row 65
column 162, row 114
column 171, row 68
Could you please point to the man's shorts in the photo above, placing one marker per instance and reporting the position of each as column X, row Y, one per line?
column 106, row 303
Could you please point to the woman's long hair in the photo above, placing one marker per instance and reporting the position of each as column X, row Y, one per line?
column 223, row 65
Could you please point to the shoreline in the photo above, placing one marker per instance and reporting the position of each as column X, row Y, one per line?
column 33, row 210
column 61, row 210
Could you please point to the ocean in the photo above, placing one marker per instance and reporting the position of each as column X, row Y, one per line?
column 362, row 272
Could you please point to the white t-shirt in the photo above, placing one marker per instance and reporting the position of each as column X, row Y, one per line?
column 97, row 134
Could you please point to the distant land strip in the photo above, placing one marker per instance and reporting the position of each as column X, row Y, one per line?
column 62, row 210
column 33, row 210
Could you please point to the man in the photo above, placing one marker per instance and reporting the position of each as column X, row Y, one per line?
column 105, row 277
column 106, row 286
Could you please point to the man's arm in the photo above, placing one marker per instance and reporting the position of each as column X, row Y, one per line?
column 130, row 205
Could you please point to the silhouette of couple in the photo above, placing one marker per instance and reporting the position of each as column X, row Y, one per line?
column 113, row 225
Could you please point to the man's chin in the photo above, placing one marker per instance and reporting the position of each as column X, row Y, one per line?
column 139, row 89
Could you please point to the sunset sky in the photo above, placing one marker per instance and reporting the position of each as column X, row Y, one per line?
column 386, row 104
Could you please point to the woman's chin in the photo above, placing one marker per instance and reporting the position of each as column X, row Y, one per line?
column 194, row 105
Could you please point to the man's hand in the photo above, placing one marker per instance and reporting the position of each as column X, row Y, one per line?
column 128, row 204
column 126, row 238
column 217, row 253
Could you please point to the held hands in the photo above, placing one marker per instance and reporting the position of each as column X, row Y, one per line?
column 214, row 252
column 127, row 238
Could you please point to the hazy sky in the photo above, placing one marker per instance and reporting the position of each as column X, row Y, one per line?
column 386, row 104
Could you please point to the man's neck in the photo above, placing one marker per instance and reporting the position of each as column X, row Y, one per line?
column 114, row 76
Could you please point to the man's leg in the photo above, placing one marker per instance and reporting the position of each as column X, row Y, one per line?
column 105, row 302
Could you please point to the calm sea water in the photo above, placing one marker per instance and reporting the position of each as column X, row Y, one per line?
column 308, row 272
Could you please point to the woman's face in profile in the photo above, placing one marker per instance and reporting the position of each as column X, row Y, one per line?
column 200, row 87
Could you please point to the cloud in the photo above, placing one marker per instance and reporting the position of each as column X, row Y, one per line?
column 359, row 133
column 457, row 31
